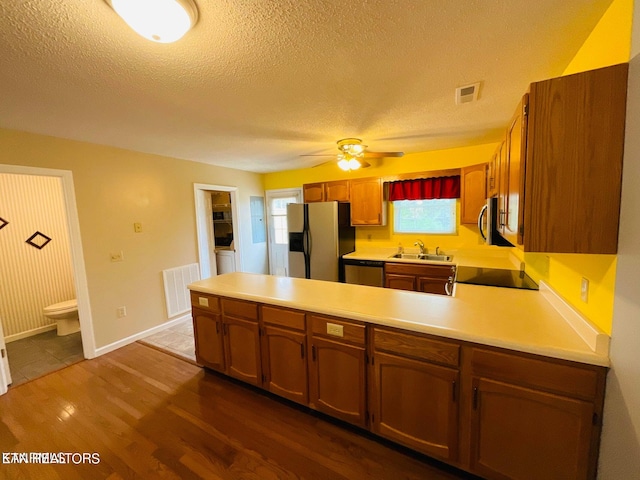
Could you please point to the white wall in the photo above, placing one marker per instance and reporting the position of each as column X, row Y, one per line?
column 620, row 445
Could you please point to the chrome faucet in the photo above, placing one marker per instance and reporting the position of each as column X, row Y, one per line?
column 423, row 250
column 437, row 250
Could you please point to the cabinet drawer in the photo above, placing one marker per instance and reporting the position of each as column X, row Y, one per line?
column 545, row 375
column 206, row 302
column 283, row 317
column 240, row 308
column 350, row 332
column 429, row 270
column 416, row 346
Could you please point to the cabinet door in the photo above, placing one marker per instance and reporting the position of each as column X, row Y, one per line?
column 367, row 202
column 285, row 363
column 524, row 434
column 337, row 191
column 434, row 285
column 207, row 332
column 400, row 282
column 416, row 404
column 473, row 192
column 313, row 192
column 242, row 349
column 337, row 380
column 516, row 156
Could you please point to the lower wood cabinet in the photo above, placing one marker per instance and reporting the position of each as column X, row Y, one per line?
column 285, row 353
column 242, row 349
column 427, row 278
column 337, row 375
column 416, row 404
column 510, row 423
column 207, row 333
column 493, row 412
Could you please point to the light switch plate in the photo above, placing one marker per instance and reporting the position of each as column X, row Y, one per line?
column 584, row 290
column 335, row 330
column 203, row 301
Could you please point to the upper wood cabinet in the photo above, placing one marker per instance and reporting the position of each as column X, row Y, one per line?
column 564, row 159
column 367, row 202
column 337, row 191
column 473, row 192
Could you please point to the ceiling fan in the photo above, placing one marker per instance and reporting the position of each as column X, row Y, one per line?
column 353, row 153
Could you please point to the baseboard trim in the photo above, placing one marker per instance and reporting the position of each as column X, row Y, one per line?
column 30, row 333
column 140, row 335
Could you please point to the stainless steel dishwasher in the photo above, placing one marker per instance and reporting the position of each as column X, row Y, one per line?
column 364, row 272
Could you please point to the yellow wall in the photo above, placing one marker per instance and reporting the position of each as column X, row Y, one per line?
column 417, row 162
column 115, row 188
column 608, row 44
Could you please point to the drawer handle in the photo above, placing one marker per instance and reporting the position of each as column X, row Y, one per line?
column 475, row 398
column 453, row 391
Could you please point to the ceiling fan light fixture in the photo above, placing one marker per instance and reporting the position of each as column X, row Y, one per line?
column 161, row 21
column 347, row 162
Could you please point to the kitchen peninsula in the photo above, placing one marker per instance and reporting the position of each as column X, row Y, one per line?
column 490, row 380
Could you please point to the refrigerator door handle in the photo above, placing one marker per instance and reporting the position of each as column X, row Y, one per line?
column 483, row 212
column 306, row 244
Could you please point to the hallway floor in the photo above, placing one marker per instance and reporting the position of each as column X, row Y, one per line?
column 40, row 354
column 176, row 340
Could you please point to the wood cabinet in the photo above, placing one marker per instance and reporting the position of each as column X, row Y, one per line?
column 242, row 340
column 337, row 369
column 533, row 418
column 564, row 164
column 337, row 190
column 427, row 278
column 284, row 353
column 367, row 202
column 512, row 226
column 473, row 192
column 493, row 412
column 493, row 173
column 414, row 391
column 207, row 331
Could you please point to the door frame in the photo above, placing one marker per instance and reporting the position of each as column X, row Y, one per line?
column 204, row 227
column 77, row 254
column 269, row 195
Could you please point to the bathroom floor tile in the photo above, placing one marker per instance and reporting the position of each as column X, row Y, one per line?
column 40, row 354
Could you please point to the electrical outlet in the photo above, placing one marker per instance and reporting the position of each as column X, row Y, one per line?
column 117, row 256
column 121, row 312
column 203, row 301
column 137, row 227
column 584, row 290
column 335, row 330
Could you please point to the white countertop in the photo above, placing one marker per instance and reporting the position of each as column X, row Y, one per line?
column 521, row 320
column 485, row 257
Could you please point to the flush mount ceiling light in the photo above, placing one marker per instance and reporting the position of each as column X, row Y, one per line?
column 162, row 21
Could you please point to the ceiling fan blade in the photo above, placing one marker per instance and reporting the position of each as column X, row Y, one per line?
column 323, row 163
column 383, row 154
column 319, row 155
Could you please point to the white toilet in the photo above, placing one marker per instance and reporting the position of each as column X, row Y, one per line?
column 66, row 316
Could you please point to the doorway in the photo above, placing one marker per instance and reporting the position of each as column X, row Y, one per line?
column 77, row 261
column 277, row 233
column 219, row 242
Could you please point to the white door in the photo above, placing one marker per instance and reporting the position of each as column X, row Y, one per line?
column 277, row 234
column 5, row 374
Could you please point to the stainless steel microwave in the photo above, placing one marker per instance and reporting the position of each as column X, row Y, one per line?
column 488, row 224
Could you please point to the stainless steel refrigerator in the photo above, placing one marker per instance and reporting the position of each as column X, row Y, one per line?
column 319, row 234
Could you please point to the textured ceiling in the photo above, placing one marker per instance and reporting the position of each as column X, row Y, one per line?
column 257, row 83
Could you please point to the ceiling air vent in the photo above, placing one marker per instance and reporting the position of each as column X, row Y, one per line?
column 468, row 93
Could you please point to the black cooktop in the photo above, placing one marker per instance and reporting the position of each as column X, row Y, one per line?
column 495, row 277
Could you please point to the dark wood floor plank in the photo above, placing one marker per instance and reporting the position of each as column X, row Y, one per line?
column 150, row 415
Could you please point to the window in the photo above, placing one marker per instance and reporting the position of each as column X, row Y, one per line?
column 425, row 216
column 279, row 218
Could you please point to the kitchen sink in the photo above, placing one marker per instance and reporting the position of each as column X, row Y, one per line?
column 423, row 256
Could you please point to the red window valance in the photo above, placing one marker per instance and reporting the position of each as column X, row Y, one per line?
column 425, row 188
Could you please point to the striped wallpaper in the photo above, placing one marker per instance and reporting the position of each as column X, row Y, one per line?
column 31, row 279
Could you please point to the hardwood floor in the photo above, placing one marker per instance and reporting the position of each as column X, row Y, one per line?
column 150, row 415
